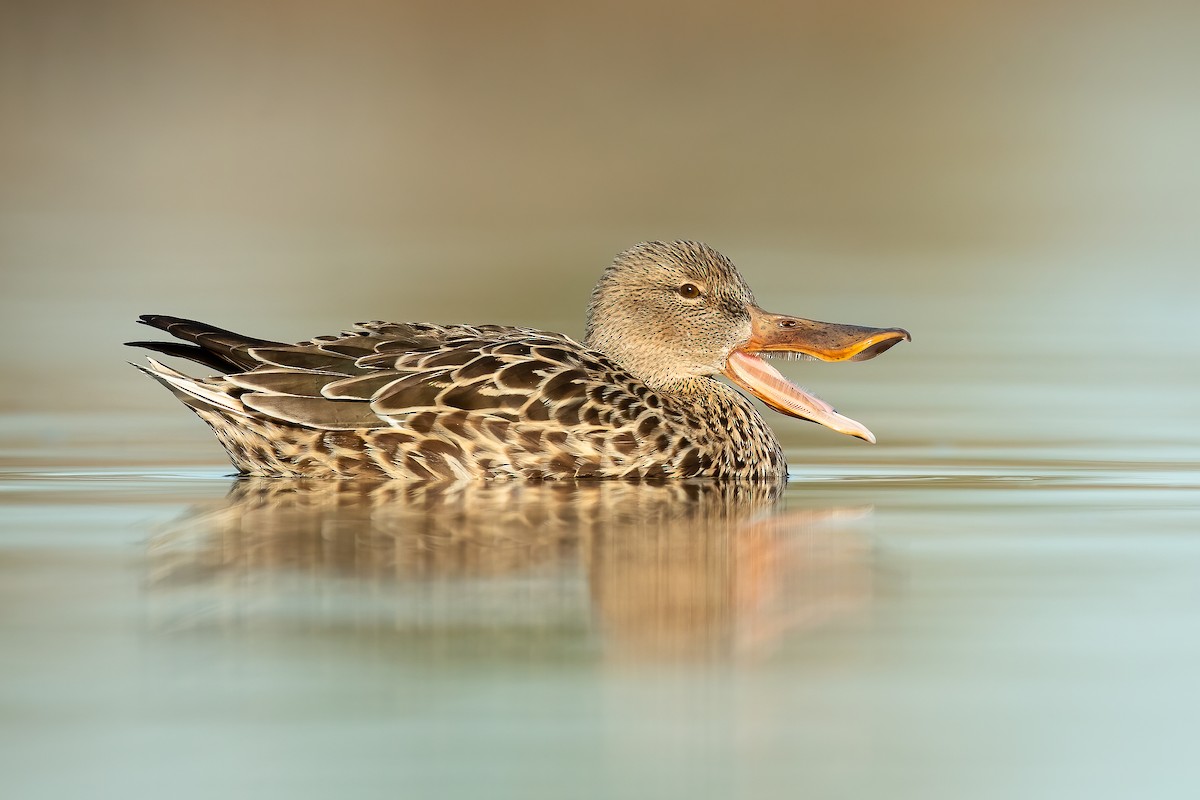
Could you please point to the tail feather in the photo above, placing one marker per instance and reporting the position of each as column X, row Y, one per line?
column 189, row 351
column 209, row 345
column 194, row 392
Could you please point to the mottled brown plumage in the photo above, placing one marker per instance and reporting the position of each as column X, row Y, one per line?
column 411, row 400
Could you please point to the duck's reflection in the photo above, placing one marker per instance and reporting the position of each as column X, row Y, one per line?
column 676, row 569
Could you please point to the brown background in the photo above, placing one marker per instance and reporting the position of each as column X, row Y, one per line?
column 1016, row 182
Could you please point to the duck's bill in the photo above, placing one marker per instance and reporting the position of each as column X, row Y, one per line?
column 775, row 333
column 827, row 341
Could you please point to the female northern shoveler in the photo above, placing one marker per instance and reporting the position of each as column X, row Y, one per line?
column 638, row 399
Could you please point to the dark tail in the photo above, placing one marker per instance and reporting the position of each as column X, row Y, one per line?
column 205, row 344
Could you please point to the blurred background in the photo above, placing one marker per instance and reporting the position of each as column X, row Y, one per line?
column 1017, row 183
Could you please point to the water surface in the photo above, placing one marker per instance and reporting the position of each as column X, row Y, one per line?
column 996, row 623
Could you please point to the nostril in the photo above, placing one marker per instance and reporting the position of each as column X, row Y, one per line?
column 787, row 323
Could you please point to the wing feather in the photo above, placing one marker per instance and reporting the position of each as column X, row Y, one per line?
column 314, row 412
column 412, row 391
column 297, row 383
column 359, row 387
column 306, row 357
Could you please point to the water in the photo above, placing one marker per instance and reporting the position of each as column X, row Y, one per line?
column 915, row 622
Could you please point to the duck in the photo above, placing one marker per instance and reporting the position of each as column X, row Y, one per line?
column 641, row 397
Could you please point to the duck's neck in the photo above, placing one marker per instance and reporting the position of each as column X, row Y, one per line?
column 721, row 420
column 643, row 363
column 692, row 388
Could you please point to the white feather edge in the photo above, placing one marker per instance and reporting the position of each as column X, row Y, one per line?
column 191, row 387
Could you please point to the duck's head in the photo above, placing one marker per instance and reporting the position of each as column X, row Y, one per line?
column 674, row 313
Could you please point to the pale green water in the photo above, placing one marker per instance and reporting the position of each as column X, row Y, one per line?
column 913, row 622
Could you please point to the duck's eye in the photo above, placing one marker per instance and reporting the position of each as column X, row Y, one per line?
column 689, row 290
